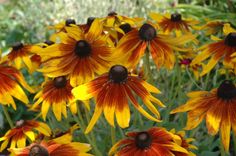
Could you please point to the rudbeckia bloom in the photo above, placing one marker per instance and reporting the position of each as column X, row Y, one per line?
column 52, row 148
column 11, row 79
column 20, row 55
column 156, row 141
column 132, row 46
column 23, row 130
column 173, row 23
column 79, row 55
column 221, row 49
column 218, row 107
column 112, row 91
column 212, row 27
column 57, row 94
column 185, row 143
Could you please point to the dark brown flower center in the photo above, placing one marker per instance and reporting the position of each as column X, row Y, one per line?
column 147, row 32
column 226, row 90
column 48, row 42
column 176, row 17
column 230, row 39
column 20, row 123
column 38, row 150
column 126, row 27
column 90, row 20
column 70, row 21
column 112, row 13
column 60, row 82
column 17, row 46
column 118, row 74
column 83, row 48
column 143, row 140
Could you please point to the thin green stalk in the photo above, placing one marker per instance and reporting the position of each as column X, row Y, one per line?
column 148, row 67
column 113, row 135
column 9, row 120
column 234, row 140
column 192, row 79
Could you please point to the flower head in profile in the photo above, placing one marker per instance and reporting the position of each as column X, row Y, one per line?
column 24, row 130
column 79, row 55
column 112, row 91
column 155, row 141
column 52, row 148
column 11, row 81
column 173, row 23
column 20, row 53
column 132, row 46
column 222, row 50
column 56, row 93
column 212, row 27
column 218, row 108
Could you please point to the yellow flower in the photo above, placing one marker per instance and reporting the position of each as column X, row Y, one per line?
column 218, row 107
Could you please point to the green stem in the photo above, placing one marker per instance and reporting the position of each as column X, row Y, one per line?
column 191, row 78
column 113, row 135
column 7, row 116
column 234, row 140
column 148, row 67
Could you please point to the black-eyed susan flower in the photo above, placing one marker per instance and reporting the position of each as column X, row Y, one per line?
column 212, row 27
column 156, row 141
column 24, row 130
column 11, row 79
column 56, row 94
column 79, row 55
column 52, row 148
column 19, row 55
column 112, row 91
column 173, row 23
column 222, row 49
column 134, row 44
column 217, row 106
column 185, row 143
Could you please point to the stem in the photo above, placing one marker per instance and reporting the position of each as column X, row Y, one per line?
column 191, row 78
column 7, row 116
column 234, row 140
column 148, row 67
column 113, row 135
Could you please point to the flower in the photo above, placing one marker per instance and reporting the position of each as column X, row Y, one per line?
column 11, row 79
column 24, row 129
column 52, row 148
column 112, row 91
column 133, row 45
column 79, row 55
column 19, row 55
column 173, row 23
column 218, row 107
column 184, row 142
column 57, row 94
column 221, row 49
column 212, row 26
column 156, row 141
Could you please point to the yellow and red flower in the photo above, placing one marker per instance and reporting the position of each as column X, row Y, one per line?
column 173, row 23
column 156, row 141
column 218, row 107
column 212, row 27
column 133, row 45
column 112, row 91
column 11, row 79
column 24, row 130
column 57, row 94
column 222, row 49
column 52, row 148
column 79, row 55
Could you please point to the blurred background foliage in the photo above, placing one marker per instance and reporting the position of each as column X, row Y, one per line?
column 27, row 21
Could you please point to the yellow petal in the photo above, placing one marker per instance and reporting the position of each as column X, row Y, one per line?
column 109, row 113
column 123, row 116
column 30, row 135
column 56, row 107
column 21, row 142
column 96, row 115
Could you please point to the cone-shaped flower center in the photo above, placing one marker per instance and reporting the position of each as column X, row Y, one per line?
column 126, row 27
column 19, row 123
column 38, row 150
column 70, row 21
column 60, row 82
column 90, row 20
column 176, row 17
column 17, row 46
column 230, row 39
column 147, row 32
column 143, row 140
column 118, row 74
column 112, row 13
column 226, row 90
column 82, row 48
